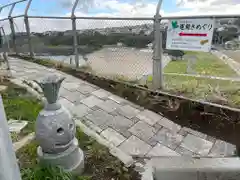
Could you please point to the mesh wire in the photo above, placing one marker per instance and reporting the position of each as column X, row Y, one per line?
column 116, row 48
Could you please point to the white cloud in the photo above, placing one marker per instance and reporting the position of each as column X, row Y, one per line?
column 117, row 8
column 217, row 7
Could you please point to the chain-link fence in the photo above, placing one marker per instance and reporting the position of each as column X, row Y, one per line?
column 51, row 38
column 116, row 48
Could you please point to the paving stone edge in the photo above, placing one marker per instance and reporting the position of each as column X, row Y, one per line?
column 147, row 173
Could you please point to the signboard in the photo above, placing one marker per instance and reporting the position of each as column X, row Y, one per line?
column 190, row 34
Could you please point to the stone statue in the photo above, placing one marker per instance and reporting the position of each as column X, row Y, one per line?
column 55, row 130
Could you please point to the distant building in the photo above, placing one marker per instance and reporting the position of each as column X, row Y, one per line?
column 68, row 33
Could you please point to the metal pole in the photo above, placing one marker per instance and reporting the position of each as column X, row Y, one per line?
column 157, row 51
column 8, row 162
column 12, row 28
column 6, row 39
column 10, row 4
column 26, row 21
column 75, row 35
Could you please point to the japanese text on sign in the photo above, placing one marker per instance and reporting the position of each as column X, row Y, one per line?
column 190, row 34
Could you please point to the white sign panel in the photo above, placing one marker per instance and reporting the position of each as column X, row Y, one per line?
column 190, row 34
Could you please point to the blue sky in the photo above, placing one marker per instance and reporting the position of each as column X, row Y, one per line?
column 51, row 7
column 139, row 7
column 113, row 8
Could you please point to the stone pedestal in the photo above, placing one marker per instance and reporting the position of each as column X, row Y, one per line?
column 55, row 131
column 71, row 160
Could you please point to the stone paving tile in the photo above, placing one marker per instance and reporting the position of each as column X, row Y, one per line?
column 92, row 101
column 183, row 151
column 74, row 97
column 157, row 126
column 221, row 148
column 135, row 146
column 211, row 139
column 126, row 102
column 128, row 111
column 117, row 99
column 149, row 117
column 101, row 93
column 95, row 108
column 169, row 124
column 86, row 89
column 100, row 118
column 67, row 104
column 135, row 120
column 92, row 125
column 125, row 133
column 109, row 106
column 63, row 92
column 114, row 137
column 80, row 110
column 93, row 85
column 197, row 144
column 120, row 123
column 114, row 113
column 186, row 130
column 143, row 131
column 70, row 86
column 168, row 138
column 161, row 150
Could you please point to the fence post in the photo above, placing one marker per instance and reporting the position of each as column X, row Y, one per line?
column 12, row 29
column 157, row 51
column 8, row 162
column 75, row 35
column 5, row 39
column 26, row 21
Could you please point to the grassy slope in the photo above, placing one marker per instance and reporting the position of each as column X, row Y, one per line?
column 223, row 92
column 206, row 64
column 219, row 91
column 20, row 105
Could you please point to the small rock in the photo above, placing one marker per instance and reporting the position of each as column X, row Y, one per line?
column 16, row 125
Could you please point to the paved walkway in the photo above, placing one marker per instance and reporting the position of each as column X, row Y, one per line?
column 132, row 128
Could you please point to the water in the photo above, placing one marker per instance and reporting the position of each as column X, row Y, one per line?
column 131, row 63
column 64, row 59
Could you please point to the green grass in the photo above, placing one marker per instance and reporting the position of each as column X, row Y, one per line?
column 99, row 163
column 206, row 64
column 223, row 92
column 218, row 91
column 20, row 105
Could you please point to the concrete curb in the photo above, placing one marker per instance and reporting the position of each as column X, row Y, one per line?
column 147, row 172
column 20, row 83
column 126, row 159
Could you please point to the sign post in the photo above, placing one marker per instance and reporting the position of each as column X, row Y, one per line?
column 157, row 50
column 191, row 64
column 190, row 34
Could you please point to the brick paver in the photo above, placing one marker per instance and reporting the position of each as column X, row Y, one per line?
column 133, row 129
